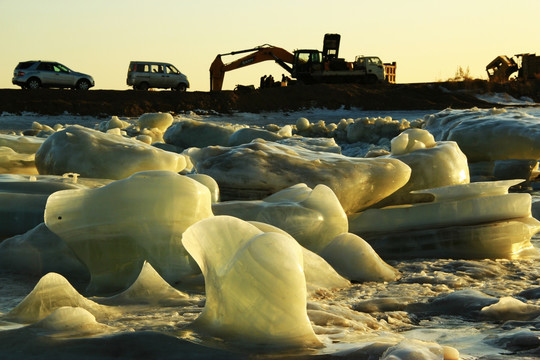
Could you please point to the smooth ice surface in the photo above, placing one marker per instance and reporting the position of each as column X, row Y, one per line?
column 188, row 133
column 261, row 168
column 23, row 199
column 21, row 144
column 12, row 162
column 356, row 260
column 487, row 135
column 53, row 291
column 503, row 239
column 38, row 252
column 319, row 274
column 246, row 135
column 91, row 153
column 411, row 140
column 151, row 289
column 414, row 349
column 160, row 121
column 74, row 320
column 449, row 212
column 114, row 229
column 312, row 217
column 255, row 284
column 441, row 164
column 469, row 191
column 509, row 308
column 210, row 183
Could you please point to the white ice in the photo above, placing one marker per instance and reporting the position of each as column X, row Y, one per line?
column 193, row 133
column 261, row 168
column 149, row 289
column 509, row 308
column 114, row 229
column 91, row 153
column 319, row 274
column 433, row 165
column 356, row 260
column 452, row 209
column 312, row 217
column 255, row 283
column 53, row 291
column 488, row 135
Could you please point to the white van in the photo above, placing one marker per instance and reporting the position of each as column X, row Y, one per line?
column 143, row 75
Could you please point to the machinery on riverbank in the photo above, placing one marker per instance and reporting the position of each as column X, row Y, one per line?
column 309, row 66
column 502, row 68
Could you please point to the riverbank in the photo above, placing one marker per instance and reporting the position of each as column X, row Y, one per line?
column 432, row 96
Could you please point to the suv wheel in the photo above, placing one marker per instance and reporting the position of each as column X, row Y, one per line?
column 83, row 84
column 180, row 87
column 33, row 83
column 143, row 86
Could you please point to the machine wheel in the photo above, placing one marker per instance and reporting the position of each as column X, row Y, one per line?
column 180, row 87
column 371, row 79
column 33, row 83
column 83, row 84
column 143, row 86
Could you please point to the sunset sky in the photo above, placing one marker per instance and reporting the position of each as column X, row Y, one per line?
column 428, row 39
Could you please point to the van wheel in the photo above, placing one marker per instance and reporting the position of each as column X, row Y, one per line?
column 181, row 87
column 143, row 86
column 33, row 83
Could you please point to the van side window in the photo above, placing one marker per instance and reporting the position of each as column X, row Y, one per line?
column 156, row 68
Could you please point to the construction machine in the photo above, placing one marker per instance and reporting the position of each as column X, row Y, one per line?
column 503, row 67
column 309, row 66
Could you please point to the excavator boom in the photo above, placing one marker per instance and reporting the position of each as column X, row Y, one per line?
column 258, row 54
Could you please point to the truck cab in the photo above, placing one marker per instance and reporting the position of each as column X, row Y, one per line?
column 371, row 66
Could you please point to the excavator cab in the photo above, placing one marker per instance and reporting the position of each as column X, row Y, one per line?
column 306, row 62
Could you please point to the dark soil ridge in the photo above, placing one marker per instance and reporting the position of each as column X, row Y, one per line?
column 422, row 96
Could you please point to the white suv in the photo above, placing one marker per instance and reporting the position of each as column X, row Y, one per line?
column 143, row 75
column 50, row 74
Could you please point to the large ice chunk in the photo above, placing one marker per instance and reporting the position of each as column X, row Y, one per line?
column 312, row 217
column 38, row 252
column 12, row 162
column 319, row 274
column 442, row 164
column 21, row 144
column 114, row 229
column 23, row 199
column 255, row 284
column 188, row 133
column 72, row 321
column 261, row 168
column 355, row 259
column 477, row 220
column 94, row 154
column 160, row 121
column 487, row 135
column 454, row 205
column 52, row 292
column 150, row 289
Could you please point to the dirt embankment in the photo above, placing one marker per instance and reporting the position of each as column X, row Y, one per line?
column 431, row 96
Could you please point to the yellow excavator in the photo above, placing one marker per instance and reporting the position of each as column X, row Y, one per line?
column 309, row 66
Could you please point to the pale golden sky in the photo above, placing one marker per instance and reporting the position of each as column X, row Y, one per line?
column 429, row 39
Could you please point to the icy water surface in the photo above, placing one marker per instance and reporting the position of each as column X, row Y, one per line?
column 434, row 300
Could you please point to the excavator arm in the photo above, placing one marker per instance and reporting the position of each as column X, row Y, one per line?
column 258, row 54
